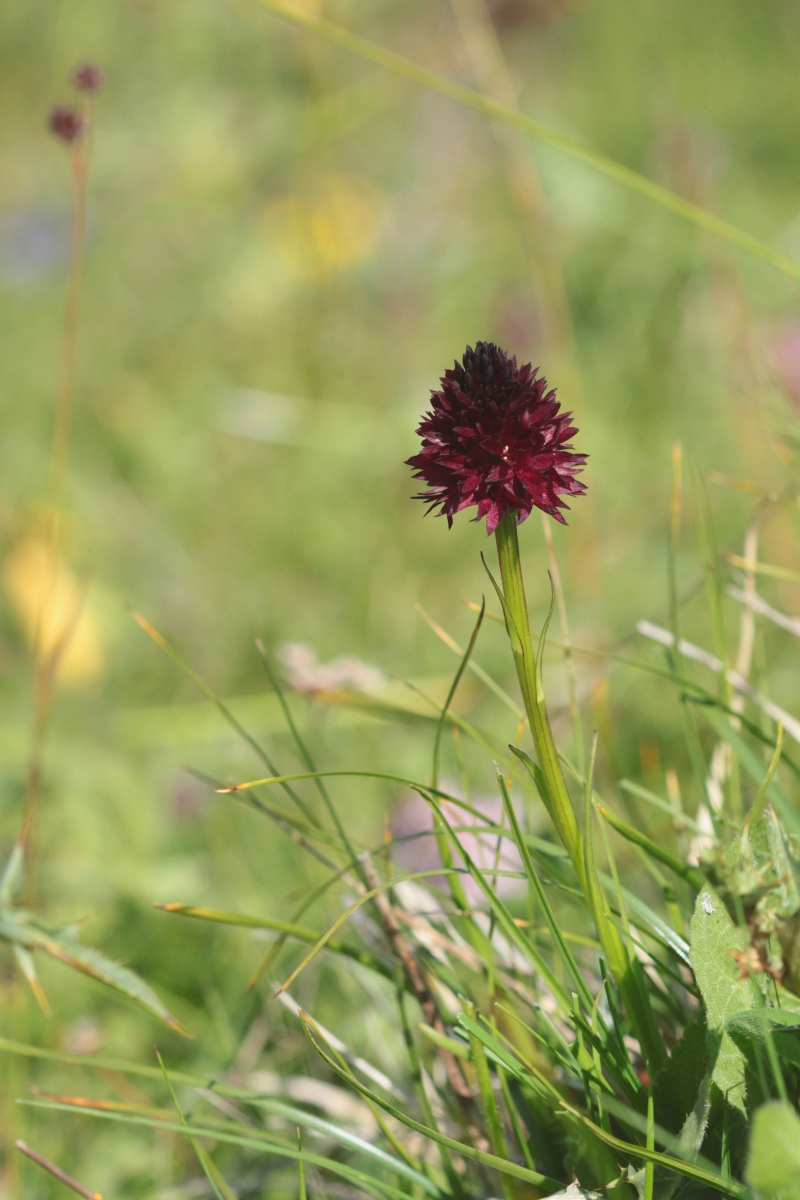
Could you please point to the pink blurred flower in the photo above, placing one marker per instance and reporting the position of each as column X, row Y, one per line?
column 412, row 820
column 783, row 352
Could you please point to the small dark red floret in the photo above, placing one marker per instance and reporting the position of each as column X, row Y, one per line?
column 495, row 438
column 66, row 123
column 88, row 78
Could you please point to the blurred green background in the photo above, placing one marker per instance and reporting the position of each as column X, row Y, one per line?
column 286, row 248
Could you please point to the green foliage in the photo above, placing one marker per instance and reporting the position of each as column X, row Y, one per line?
column 25, row 933
column 773, row 1162
column 715, row 941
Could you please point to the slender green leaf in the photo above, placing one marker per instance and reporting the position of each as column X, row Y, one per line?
column 451, row 694
column 489, row 1103
column 566, row 955
column 690, row 874
column 13, row 873
column 488, row 1160
column 727, row 1187
column 20, row 929
column 246, row 1140
column 212, row 1173
column 300, row 932
column 504, row 919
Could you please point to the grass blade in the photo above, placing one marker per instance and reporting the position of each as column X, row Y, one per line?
column 248, row 1141
column 213, row 1175
column 490, row 1110
column 323, row 940
column 481, row 1156
column 450, row 695
column 759, row 805
column 301, row 932
column 634, row 182
column 689, row 874
column 219, row 704
column 566, row 955
column 727, row 1187
column 477, row 670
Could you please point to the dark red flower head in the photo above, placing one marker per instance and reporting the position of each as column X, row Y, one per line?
column 66, row 123
column 495, row 438
column 88, row 78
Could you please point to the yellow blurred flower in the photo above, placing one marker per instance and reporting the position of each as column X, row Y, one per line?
column 309, row 8
column 334, row 227
column 50, row 604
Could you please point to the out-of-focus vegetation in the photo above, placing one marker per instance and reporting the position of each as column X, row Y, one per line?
column 286, row 248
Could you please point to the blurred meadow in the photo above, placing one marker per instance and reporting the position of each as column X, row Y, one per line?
column 286, row 246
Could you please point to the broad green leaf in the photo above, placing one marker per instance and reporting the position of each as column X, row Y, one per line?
column 693, row 1130
column 773, row 1163
column 753, row 1027
column 678, row 1085
column 714, row 939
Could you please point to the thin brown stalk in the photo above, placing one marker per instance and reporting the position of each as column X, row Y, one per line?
column 55, row 1171
column 416, row 981
column 47, row 658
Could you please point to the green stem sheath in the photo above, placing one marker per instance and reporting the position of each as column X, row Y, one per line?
column 556, row 796
column 529, row 673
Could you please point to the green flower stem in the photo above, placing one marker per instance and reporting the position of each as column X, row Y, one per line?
column 557, row 799
column 529, row 673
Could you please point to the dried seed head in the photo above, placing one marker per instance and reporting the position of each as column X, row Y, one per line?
column 88, row 78
column 66, row 123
